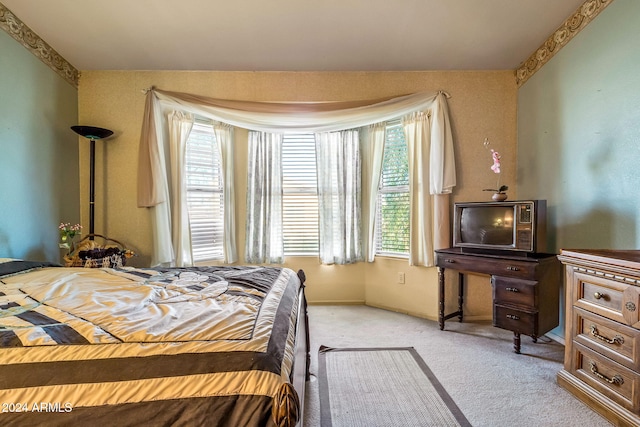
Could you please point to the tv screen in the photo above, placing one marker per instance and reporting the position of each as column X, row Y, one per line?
column 487, row 225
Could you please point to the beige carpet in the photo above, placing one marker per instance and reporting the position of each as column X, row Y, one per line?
column 474, row 362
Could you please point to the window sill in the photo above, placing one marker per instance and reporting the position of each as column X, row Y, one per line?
column 392, row 256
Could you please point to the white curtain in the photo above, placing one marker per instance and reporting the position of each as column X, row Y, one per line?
column 373, row 154
column 280, row 118
column 264, row 242
column 152, row 155
column 430, row 177
column 224, row 137
column 339, row 187
column 180, row 125
column 153, row 190
column 172, row 237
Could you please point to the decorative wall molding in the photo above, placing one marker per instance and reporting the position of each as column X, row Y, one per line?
column 41, row 49
column 569, row 29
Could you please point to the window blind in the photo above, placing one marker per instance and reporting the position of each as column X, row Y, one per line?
column 393, row 210
column 300, row 195
column 205, row 201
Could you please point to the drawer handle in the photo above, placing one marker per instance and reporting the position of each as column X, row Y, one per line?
column 512, row 289
column 617, row 379
column 450, row 261
column 598, row 295
column 512, row 268
column 513, row 317
column 615, row 340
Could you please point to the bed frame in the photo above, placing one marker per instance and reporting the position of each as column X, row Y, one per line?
column 302, row 357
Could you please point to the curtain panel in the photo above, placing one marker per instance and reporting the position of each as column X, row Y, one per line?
column 278, row 117
column 180, row 125
column 373, row 154
column 264, row 243
column 224, row 137
column 339, row 188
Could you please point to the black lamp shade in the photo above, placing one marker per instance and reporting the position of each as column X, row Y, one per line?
column 92, row 132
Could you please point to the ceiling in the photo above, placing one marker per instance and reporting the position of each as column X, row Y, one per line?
column 294, row 35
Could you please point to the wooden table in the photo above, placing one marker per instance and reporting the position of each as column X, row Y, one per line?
column 526, row 288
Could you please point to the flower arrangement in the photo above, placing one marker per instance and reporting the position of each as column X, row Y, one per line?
column 495, row 167
column 67, row 234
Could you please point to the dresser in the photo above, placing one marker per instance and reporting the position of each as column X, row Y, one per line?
column 525, row 287
column 602, row 340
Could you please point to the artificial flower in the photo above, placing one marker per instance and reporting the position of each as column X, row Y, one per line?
column 495, row 167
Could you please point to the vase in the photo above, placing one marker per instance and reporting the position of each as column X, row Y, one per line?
column 499, row 197
column 66, row 242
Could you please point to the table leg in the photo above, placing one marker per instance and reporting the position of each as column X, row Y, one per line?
column 516, row 342
column 441, row 298
column 460, row 295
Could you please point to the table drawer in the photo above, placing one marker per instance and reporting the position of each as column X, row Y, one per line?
column 513, row 319
column 486, row 265
column 615, row 381
column 508, row 290
column 616, row 341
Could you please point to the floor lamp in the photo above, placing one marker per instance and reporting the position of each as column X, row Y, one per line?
column 92, row 134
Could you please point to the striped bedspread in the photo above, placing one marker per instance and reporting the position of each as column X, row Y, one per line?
column 181, row 346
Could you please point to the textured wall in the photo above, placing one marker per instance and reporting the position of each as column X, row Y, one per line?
column 578, row 133
column 38, row 154
column 483, row 104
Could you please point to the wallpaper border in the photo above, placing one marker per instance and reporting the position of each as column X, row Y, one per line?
column 569, row 29
column 41, row 49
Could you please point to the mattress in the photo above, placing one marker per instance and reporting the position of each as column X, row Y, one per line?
column 179, row 346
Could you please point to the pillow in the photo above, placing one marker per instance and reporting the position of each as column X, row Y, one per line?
column 10, row 266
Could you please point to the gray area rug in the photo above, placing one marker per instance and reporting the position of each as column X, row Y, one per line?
column 382, row 387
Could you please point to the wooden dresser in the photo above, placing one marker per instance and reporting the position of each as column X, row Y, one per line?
column 602, row 349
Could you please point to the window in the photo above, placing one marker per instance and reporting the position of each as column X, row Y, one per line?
column 205, row 198
column 299, row 195
column 393, row 211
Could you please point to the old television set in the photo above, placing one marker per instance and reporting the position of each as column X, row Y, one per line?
column 517, row 226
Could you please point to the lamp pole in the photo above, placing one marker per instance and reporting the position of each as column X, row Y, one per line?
column 92, row 133
column 92, row 185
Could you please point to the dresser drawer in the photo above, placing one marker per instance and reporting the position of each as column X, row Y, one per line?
column 615, row 381
column 486, row 265
column 513, row 319
column 514, row 291
column 616, row 341
column 600, row 295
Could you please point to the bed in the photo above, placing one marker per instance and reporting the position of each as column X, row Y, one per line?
column 223, row 346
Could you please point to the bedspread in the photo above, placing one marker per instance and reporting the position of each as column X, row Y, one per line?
column 179, row 346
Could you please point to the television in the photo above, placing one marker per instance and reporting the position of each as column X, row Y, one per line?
column 517, row 226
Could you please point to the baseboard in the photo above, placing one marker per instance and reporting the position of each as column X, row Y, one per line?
column 407, row 312
column 557, row 338
column 334, row 302
column 480, row 318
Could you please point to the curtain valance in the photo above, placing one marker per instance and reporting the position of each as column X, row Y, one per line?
column 286, row 117
column 312, row 117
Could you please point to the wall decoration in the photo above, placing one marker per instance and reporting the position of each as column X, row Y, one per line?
column 569, row 29
column 41, row 49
